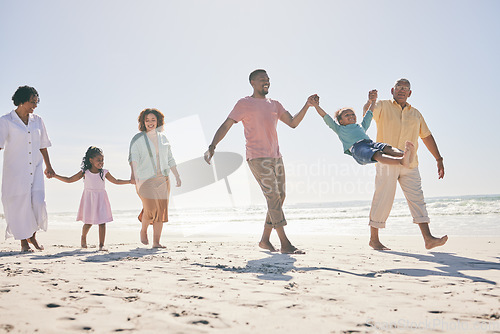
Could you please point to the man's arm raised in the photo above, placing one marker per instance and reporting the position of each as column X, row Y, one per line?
column 219, row 135
column 294, row 121
column 372, row 99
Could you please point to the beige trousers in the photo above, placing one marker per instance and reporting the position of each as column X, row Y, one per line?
column 270, row 174
column 385, row 189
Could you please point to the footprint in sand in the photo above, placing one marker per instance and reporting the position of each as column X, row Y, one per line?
column 131, row 298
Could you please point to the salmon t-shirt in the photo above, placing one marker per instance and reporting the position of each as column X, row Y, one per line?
column 260, row 118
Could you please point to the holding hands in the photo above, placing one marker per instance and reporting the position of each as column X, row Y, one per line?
column 49, row 172
column 373, row 95
column 313, row 100
column 372, row 99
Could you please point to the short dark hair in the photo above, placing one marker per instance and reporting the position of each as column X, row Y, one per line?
column 23, row 94
column 402, row 81
column 142, row 117
column 255, row 73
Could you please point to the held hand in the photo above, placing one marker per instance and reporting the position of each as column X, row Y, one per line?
column 49, row 172
column 373, row 95
column 132, row 180
column 313, row 100
column 372, row 98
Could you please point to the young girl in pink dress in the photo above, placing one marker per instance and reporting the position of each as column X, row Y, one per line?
column 94, row 205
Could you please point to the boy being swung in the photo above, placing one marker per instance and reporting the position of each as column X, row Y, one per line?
column 355, row 140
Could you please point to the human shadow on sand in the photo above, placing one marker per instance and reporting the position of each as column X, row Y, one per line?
column 277, row 268
column 452, row 266
column 36, row 255
column 131, row 255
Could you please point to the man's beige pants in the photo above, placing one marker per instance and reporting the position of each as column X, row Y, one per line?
column 385, row 189
column 270, row 174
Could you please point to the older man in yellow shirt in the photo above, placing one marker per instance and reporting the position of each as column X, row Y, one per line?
column 398, row 122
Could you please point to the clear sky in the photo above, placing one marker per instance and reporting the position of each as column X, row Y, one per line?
column 97, row 64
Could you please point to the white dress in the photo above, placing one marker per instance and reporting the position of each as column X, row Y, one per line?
column 23, row 191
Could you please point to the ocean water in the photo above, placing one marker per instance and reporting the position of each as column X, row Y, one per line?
column 464, row 215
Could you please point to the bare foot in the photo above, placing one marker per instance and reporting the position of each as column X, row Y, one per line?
column 430, row 243
column 267, row 245
column 144, row 237
column 102, row 249
column 83, row 242
column 33, row 241
column 291, row 250
column 158, row 246
column 409, row 147
column 377, row 245
column 26, row 248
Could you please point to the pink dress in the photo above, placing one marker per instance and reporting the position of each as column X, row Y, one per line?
column 94, row 205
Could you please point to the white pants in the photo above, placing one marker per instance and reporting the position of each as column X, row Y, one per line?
column 385, row 190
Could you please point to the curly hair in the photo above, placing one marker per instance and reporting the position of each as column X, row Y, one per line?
column 91, row 153
column 338, row 113
column 142, row 117
column 24, row 94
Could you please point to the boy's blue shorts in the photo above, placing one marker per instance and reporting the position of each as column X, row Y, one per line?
column 363, row 151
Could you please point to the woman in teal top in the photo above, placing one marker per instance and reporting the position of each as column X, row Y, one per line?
column 151, row 161
column 357, row 143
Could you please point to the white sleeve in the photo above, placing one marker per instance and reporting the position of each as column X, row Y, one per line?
column 4, row 131
column 44, row 137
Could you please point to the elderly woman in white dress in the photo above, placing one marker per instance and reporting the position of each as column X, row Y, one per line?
column 24, row 140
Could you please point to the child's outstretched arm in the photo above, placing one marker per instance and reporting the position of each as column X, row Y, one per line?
column 315, row 104
column 70, row 179
column 328, row 120
column 111, row 179
column 372, row 99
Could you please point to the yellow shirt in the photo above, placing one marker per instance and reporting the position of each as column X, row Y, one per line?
column 395, row 126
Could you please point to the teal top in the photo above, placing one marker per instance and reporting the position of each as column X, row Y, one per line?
column 351, row 133
column 146, row 164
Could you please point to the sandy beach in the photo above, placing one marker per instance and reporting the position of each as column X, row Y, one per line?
column 226, row 284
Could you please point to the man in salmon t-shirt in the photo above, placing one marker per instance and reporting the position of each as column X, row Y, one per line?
column 260, row 117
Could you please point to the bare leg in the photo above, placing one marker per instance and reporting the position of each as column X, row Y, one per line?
column 387, row 159
column 429, row 239
column 33, row 241
column 286, row 245
column 85, row 231
column 374, row 240
column 25, row 247
column 102, row 236
column 144, row 233
column 265, row 243
column 393, row 152
column 397, row 159
column 157, row 228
